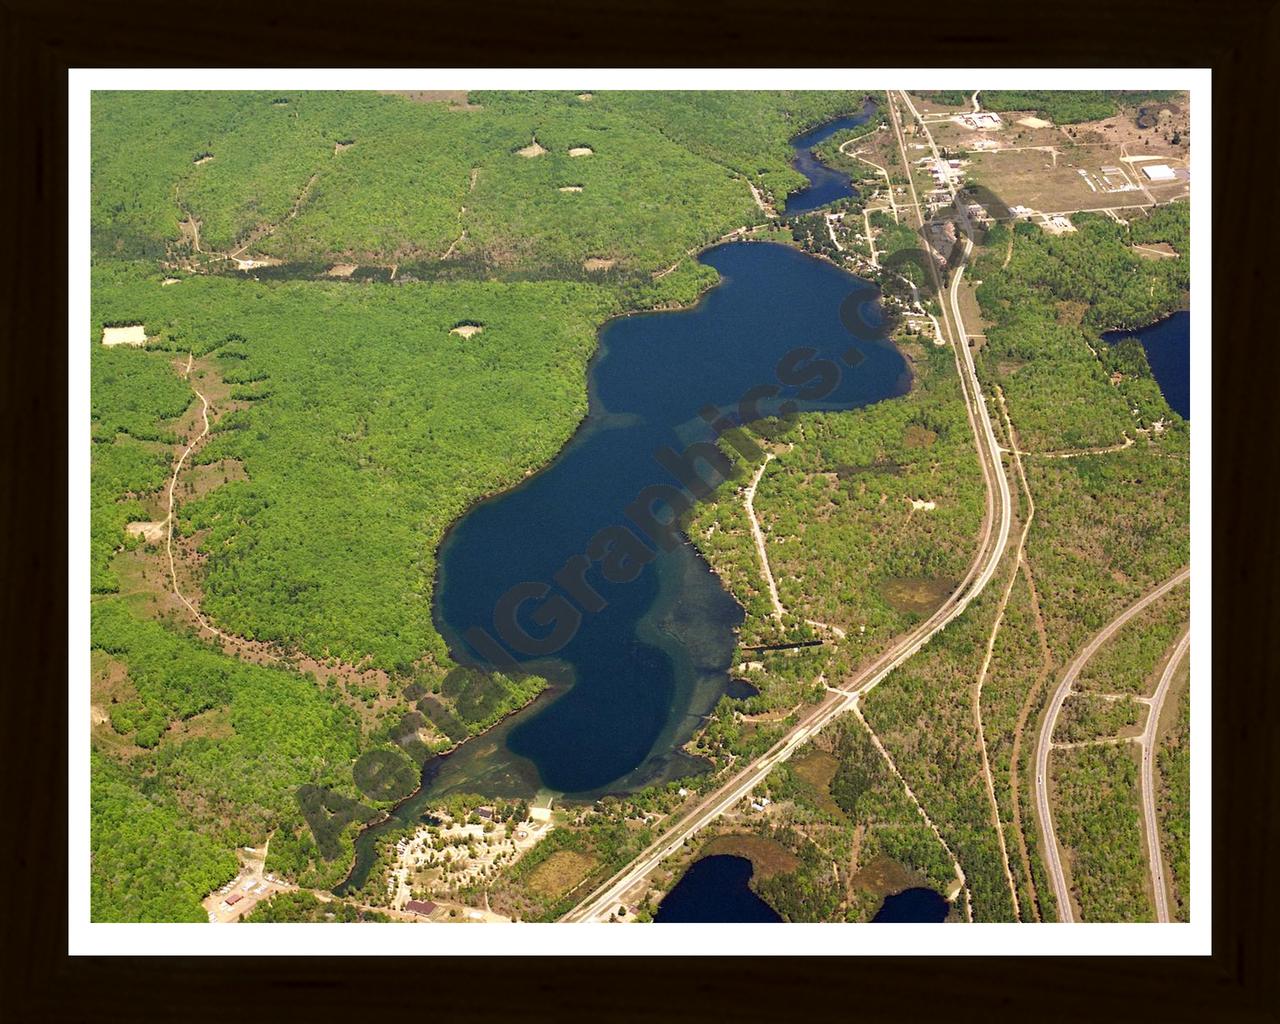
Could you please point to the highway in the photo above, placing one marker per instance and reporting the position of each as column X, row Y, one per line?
column 1052, row 854
column 606, row 898
column 1148, row 741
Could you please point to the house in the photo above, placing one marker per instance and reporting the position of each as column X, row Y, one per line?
column 423, row 908
column 486, row 813
column 231, row 901
column 1159, row 172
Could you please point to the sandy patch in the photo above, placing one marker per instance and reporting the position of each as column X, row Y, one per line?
column 585, row 97
column 531, row 150
column 923, row 506
column 152, row 533
column 342, row 147
column 169, row 280
column 582, row 151
column 341, row 270
column 595, row 263
column 570, row 188
column 203, row 159
column 134, row 334
column 467, row 330
column 1034, row 122
column 1155, row 250
column 254, row 264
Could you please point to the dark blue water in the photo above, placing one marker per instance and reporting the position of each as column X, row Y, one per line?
column 635, row 677
column 1168, row 346
column 916, row 906
column 715, row 890
column 826, row 185
column 741, row 689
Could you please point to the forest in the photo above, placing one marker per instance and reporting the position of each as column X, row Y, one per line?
column 1098, row 819
column 539, row 182
column 1067, row 106
column 1047, row 309
column 380, row 429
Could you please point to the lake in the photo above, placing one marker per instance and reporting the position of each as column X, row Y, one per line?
column 917, row 906
column 715, row 889
column 635, row 678
column 1167, row 343
column 826, row 184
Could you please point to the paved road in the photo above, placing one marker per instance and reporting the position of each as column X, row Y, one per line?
column 1148, row 741
column 1053, row 857
column 995, row 537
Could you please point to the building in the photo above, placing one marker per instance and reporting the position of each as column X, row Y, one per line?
column 1159, row 172
column 423, row 908
column 980, row 121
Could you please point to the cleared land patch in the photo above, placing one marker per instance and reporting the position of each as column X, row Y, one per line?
column 560, row 872
column 134, row 334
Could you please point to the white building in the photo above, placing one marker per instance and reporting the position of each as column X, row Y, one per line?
column 1159, row 172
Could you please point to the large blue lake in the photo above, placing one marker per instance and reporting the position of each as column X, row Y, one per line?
column 1168, row 346
column 636, row 676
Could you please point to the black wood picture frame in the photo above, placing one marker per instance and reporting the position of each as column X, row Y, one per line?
column 41, row 40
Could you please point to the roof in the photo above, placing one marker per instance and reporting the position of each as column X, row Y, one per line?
column 423, row 907
column 233, row 900
column 1159, row 172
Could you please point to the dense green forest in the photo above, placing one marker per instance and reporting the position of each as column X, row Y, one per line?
column 747, row 131
column 1099, row 821
column 376, row 178
column 381, row 427
column 1047, row 308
